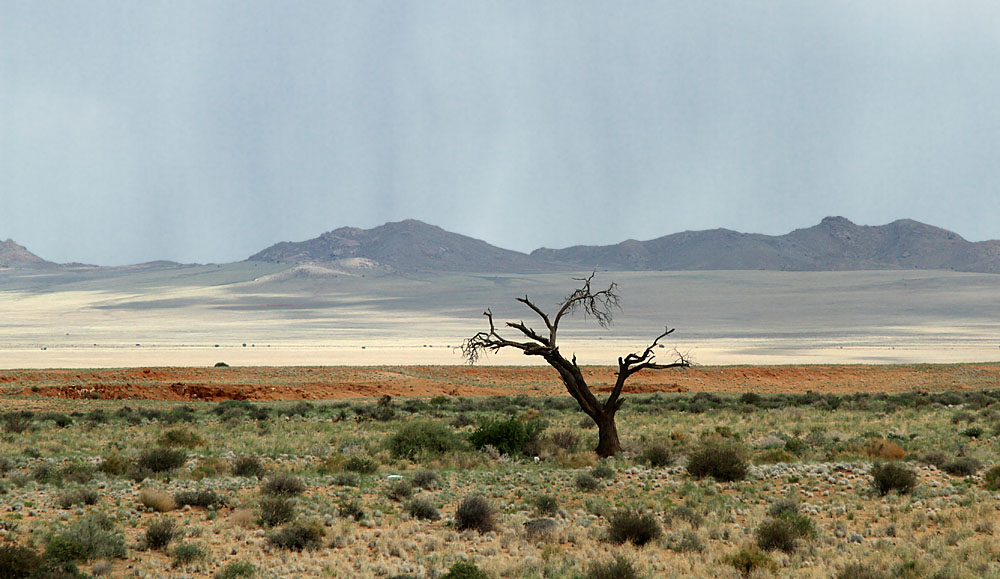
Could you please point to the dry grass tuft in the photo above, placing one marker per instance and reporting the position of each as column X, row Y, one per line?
column 157, row 500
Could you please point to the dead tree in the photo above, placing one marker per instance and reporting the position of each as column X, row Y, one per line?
column 599, row 305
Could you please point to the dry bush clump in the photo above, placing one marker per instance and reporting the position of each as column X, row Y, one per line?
column 475, row 513
column 160, row 532
column 892, row 476
column 721, row 460
column 882, row 449
column 632, row 526
column 283, row 484
column 157, row 500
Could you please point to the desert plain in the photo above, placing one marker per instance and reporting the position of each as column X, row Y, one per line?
column 342, row 436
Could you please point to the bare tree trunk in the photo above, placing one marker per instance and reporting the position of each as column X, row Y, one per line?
column 607, row 435
column 598, row 304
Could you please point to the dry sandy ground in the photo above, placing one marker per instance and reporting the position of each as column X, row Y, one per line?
column 200, row 315
column 312, row 383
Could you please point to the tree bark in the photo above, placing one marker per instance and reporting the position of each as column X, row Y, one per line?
column 608, row 444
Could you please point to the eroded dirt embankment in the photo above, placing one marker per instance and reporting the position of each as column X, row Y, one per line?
column 314, row 383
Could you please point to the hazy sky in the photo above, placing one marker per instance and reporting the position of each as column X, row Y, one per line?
column 206, row 131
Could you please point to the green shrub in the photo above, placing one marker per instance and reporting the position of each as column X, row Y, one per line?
column 187, row 553
column 17, row 423
column 237, row 569
column 398, row 490
column 160, row 532
column 180, row 437
column 76, row 472
column 658, row 455
column 991, row 478
column 604, row 471
column 972, row 432
column 248, row 465
column 631, row 526
column 352, row 510
column 586, row 482
column 686, row 513
column 160, row 459
column 421, row 508
column 17, row 561
column 422, row 438
column 426, row 479
column 282, row 484
column 935, row 457
column 44, row 473
column 796, row 445
column 783, row 532
column 346, row 479
column 475, row 513
column 567, row 440
column 275, row 511
column 619, row 568
column 204, row 498
column 465, row 570
column 298, row 536
column 688, row 543
column 546, row 504
column 891, row 476
column 115, row 464
column 749, row 560
column 299, row 409
column 512, row 437
column 360, row 465
column 719, row 460
column 861, row 571
column 91, row 537
column 783, row 507
column 962, row 466
column 75, row 497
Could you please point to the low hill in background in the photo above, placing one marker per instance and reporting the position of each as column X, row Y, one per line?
column 14, row 256
column 405, row 246
column 835, row 244
column 411, row 246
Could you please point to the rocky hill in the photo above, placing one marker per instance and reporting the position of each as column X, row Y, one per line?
column 14, row 256
column 403, row 246
column 834, row 244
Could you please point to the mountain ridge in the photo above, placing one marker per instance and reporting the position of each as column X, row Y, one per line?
column 412, row 246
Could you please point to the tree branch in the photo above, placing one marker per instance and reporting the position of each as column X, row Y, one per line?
column 633, row 363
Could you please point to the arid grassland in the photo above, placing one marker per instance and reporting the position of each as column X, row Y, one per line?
column 856, row 484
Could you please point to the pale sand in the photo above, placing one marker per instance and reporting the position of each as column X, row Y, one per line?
column 176, row 318
column 750, row 353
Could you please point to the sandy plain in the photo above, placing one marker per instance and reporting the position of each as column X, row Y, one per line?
column 240, row 314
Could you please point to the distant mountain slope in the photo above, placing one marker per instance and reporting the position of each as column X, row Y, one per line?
column 13, row 256
column 403, row 246
column 834, row 244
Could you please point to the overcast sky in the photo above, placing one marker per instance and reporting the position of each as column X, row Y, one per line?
column 205, row 131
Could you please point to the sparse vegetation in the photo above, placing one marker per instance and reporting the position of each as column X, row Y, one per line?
column 542, row 520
